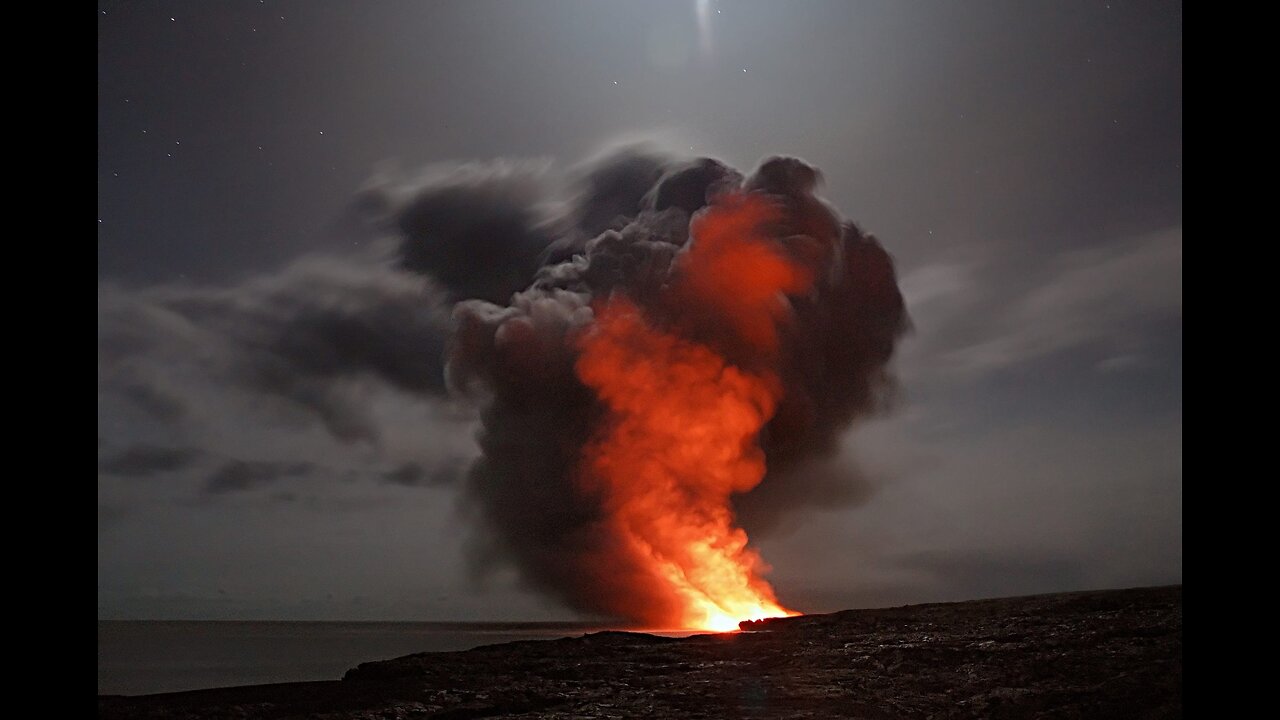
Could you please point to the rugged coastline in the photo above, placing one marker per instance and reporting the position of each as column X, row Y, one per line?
column 1113, row 653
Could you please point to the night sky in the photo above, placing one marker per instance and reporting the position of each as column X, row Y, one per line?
column 270, row 440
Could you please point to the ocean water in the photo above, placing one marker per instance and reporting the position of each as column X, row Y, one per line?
column 141, row 657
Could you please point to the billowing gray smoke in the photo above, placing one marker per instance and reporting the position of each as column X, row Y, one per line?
column 527, row 275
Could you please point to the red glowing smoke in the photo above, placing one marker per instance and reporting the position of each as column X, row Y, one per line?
column 682, row 432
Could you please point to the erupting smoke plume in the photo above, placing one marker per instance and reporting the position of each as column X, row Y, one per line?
column 692, row 339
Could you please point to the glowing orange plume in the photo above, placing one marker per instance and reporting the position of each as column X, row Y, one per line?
column 684, row 421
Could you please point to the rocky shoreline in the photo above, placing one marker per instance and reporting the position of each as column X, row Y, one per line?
column 1102, row 654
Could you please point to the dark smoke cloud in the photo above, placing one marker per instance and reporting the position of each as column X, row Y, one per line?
column 627, row 224
column 159, row 402
column 689, row 186
column 242, row 475
column 476, row 229
column 143, row 460
column 482, row 230
column 612, row 188
column 311, row 337
column 413, row 474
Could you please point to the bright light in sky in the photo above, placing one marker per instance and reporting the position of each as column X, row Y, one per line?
column 703, row 8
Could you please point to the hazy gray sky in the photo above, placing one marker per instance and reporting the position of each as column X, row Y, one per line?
column 1021, row 161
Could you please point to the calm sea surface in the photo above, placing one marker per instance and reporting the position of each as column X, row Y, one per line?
column 151, row 657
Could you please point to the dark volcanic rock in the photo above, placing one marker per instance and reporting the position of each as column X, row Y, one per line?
column 1075, row 655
